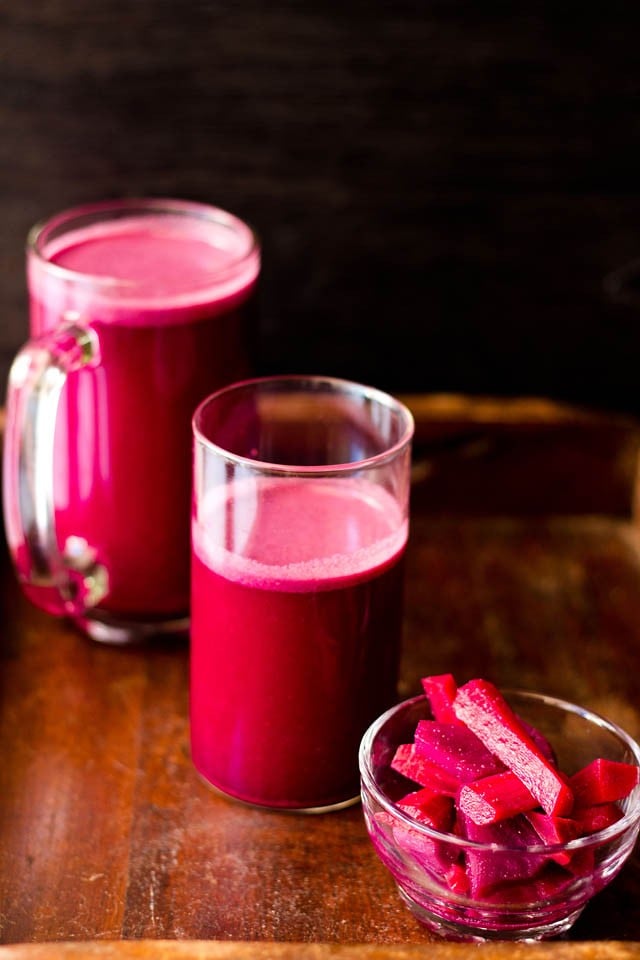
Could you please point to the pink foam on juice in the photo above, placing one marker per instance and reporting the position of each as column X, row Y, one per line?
column 295, row 637
column 170, row 331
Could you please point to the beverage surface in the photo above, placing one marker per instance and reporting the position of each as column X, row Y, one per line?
column 298, row 534
column 159, row 262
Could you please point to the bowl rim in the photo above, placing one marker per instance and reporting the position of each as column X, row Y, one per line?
column 630, row 819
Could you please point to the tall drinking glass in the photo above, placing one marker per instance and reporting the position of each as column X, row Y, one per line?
column 137, row 311
column 299, row 526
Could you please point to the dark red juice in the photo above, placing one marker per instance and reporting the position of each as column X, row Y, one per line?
column 296, row 623
column 122, row 472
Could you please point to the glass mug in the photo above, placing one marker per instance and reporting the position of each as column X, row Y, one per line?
column 299, row 526
column 137, row 311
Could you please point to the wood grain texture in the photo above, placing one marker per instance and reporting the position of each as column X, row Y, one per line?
column 208, row 950
column 106, row 832
column 441, row 188
column 480, row 455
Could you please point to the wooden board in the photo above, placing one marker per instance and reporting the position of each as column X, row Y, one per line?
column 107, row 834
column 208, row 950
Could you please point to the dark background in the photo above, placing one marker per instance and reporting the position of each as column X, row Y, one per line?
column 441, row 188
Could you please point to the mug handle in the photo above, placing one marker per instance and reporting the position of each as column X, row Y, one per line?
column 62, row 579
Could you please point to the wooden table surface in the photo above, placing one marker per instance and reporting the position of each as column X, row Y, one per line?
column 523, row 566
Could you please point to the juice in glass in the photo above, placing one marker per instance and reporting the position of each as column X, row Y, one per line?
column 297, row 582
column 165, row 289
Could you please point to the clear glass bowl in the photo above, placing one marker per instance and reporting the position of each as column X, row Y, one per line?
column 545, row 904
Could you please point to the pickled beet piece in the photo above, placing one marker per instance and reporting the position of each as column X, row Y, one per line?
column 481, row 706
column 548, row 883
column 603, row 781
column 495, row 798
column 412, row 765
column 435, row 810
column 456, row 749
column 457, row 880
column 599, row 817
column 552, row 830
column 435, row 856
column 491, row 870
column 440, row 690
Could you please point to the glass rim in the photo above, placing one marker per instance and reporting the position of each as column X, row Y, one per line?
column 628, row 819
column 338, row 386
column 40, row 232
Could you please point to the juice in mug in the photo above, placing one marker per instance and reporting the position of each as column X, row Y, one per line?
column 164, row 288
column 296, row 606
